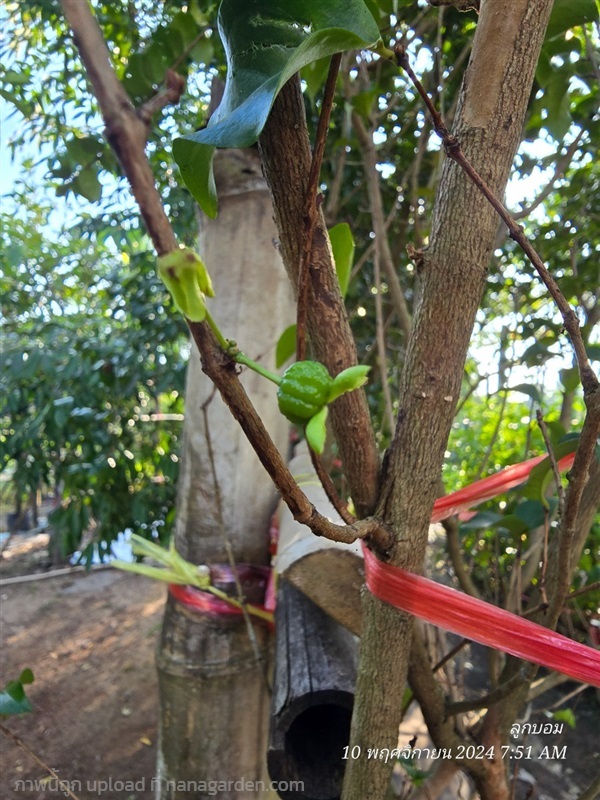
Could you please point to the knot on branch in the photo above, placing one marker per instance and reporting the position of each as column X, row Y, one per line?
column 401, row 56
column 451, row 143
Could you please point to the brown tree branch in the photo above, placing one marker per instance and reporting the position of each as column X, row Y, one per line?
column 125, row 131
column 450, row 282
column 222, row 372
column 286, row 158
column 454, row 151
column 310, row 211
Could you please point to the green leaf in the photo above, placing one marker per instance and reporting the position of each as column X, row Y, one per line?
column 593, row 352
column 531, row 512
column 13, row 699
column 569, row 378
column 196, row 166
column 484, row 519
column 88, row 185
column 10, row 706
column 528, row 389
column 316, row 430
column 26, row 676
column 314, row 75
column 512, row 524
column 565, row 715
column 286, row 346
column 556, row 98
column 83, row 149
column 16, row 78
column 348, row 380
column 569, row 13
column 342, row 245
column 265, row 44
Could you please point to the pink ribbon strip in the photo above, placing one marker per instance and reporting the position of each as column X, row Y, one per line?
column 487, row 488
column 480, row 621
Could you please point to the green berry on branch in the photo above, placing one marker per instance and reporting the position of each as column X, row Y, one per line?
column 304, row 390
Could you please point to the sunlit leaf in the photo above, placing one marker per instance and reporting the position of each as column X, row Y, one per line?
column 342, row 245
column 286, row 346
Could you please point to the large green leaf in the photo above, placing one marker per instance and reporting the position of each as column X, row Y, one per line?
column 266, row 42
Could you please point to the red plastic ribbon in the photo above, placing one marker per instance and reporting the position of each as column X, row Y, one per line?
column 253, row 579
column 480, row 621
column 487, row 488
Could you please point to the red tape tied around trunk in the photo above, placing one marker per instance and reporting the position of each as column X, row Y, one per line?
column 480, row 621
column 254, row 581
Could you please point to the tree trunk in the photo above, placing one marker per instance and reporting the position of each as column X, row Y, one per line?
column 451, row 275
column 213, row 698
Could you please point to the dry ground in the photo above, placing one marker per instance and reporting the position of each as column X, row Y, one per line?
column 89, row 640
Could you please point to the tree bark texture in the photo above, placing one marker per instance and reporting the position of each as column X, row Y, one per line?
column 213, row 698
column 451, row 277
column 286, row 158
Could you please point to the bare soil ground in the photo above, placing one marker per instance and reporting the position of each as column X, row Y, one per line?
column 90, row 640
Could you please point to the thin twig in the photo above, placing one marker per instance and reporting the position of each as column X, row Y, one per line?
column 310, row 212
column 170, row 95
column 571, row 596
column 369, row 156
column 329, row 488
column 488, row 700
column 493, row 437
column 454, row 151
column 592, row 587
column 581, row 688
column 310, row 220
column 64, row 787
column 560, row 490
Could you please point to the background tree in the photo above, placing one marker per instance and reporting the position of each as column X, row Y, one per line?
column 459, row 240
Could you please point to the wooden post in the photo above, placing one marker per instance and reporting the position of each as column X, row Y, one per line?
column 315, row 656
column 313, row 697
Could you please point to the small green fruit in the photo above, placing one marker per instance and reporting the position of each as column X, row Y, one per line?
column 304, row 390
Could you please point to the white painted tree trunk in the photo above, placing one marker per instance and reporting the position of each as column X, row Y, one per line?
column 214, row 701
